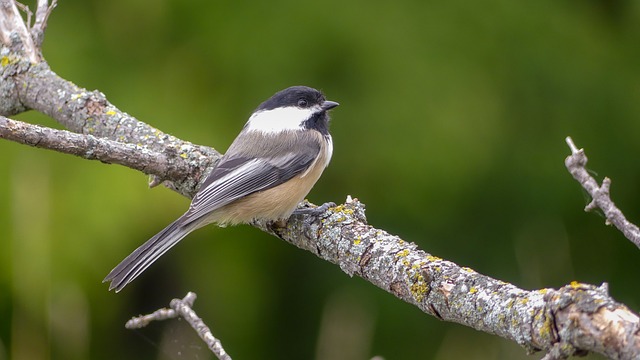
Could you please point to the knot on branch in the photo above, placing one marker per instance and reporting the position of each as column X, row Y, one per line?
column 576, row 159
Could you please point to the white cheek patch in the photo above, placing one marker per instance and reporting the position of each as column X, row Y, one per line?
column 279, row 119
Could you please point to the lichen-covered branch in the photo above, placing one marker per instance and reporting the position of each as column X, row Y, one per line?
column 27, row 83
column 570, row 320
column 184, row 309
column 576, row 164
column 578, row 317
column 95, row 148
column 25, row 86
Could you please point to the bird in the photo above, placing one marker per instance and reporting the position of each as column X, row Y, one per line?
column 266, row 172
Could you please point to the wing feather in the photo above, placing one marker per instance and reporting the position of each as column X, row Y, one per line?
column 237, row 177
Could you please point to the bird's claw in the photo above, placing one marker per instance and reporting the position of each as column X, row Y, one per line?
column 315, row 211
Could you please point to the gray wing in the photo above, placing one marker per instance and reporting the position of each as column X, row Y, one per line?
column 238, row 177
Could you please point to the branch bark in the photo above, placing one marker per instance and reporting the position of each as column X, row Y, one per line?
column 570, row 320
column 575, row 318
column 94, row 148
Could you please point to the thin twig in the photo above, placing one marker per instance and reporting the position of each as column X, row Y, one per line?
column 183, row 308
column 576, row 164
column 27, row 11
column 572, row 146
column 43, row 10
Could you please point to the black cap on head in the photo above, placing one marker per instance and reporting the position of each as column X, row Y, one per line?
column 299, row 96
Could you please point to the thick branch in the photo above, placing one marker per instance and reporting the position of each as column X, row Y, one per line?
column 26, row 83
column 576, row 164
column 94, row 148
column 34, row 86
column 582, row 317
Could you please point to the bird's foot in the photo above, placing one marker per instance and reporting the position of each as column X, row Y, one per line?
column 314, row 211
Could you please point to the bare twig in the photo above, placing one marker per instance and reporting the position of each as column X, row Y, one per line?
column 183, row 308
column 600, row 196
column 43, row 10
column 24, row 8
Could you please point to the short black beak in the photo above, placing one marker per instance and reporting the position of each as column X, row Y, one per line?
column 328, row 105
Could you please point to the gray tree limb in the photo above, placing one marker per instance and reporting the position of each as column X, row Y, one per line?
column 571, row 320
column 575, row 318
column 27, row 86
column 94, row 148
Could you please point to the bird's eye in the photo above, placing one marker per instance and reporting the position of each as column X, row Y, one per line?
column 302, row 103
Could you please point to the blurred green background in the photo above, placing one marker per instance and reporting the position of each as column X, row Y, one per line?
column 451, row 130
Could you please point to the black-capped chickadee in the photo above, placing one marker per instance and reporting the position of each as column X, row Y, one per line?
column 267, row 171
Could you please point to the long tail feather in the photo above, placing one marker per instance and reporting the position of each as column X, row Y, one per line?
column 142, row 257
